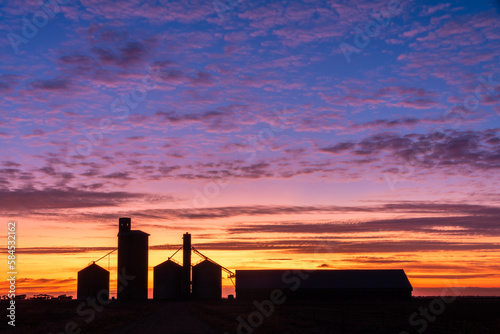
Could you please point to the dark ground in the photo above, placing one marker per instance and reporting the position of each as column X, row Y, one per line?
column 464, row 315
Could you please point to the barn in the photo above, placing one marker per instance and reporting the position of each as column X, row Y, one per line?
column 323, row 284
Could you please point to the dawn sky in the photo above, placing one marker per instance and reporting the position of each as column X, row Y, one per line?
column 281, row 134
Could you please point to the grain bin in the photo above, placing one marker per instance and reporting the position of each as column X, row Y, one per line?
column 93, row 282
column 167, row 280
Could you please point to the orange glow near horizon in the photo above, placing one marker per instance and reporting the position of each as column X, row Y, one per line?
column 54, row 269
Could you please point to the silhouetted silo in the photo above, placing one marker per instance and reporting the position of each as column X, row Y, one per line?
column 186, row 266
column 93, row 282
column 207, row 280
column 132, row 262
column 167, row 280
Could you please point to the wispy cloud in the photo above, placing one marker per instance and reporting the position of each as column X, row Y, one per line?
column 31, row 199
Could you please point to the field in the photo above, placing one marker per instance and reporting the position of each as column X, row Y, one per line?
column 420, row 315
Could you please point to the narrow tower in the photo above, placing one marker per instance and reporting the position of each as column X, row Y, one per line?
column 186, row 266
column 132, row 262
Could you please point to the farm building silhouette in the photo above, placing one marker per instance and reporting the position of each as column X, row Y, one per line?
column 323, row 284
column 203, row 281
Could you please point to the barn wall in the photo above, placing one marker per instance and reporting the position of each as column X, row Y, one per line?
column 326, row 294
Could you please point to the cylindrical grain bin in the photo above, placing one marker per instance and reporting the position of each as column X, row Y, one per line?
column 167, row 280
column 207, row 281
column 93, row 282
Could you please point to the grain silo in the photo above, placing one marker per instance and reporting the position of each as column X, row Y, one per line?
column 167, row 280
column 93, row 282
column 207, row 280
column 132, row 262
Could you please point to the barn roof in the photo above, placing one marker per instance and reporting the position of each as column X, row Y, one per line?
column 322, row 279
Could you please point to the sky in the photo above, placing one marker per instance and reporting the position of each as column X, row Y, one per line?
column 280, row 134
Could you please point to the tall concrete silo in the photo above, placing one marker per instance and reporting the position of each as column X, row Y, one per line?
column 167, row 280
column 207, row 280
column 93, row 282
column 132, row 262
